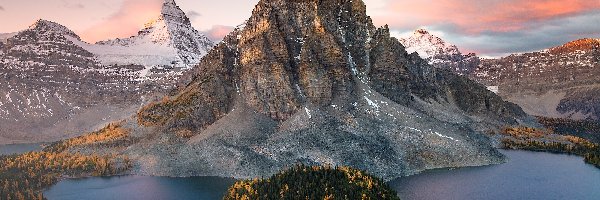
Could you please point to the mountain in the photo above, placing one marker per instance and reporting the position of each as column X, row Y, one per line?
column 54, row 85
column 439, row 53
column 314, row 82
column 52, row 88
column 169, row 39
column 558, row 82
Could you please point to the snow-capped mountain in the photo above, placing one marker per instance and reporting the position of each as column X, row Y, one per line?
column 556, row 82
column 428, row 46
column 438, row 52
column 53, row 84
column 169, row 39
column 51, row 87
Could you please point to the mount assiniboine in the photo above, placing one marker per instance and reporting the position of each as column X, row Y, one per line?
column 54, row 85
column 166, row 40
column 557, row 82
column 313, row 82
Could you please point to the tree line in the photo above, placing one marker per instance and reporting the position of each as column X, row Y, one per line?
column 25, row 176
column 532, row 139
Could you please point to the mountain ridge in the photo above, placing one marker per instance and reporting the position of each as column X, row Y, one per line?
column 168, row 38
column 555, row 82
column 54, row 85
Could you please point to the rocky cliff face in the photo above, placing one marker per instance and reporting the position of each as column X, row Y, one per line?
column 558, row 82
column 316, row 82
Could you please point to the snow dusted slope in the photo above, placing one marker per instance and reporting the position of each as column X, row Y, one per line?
column 51, row 87
column 167, row 40
column 427, row 45
column 439, row 53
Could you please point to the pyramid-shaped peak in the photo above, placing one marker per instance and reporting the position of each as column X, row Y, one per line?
column 167, row 4
column 170, row 9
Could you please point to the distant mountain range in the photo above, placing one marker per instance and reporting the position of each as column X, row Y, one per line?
column 54, row 85
column 558, row 82
column 311, row 82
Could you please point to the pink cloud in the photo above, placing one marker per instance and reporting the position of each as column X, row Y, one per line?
column 474, row 17
column 129, row 19
column 218, row 32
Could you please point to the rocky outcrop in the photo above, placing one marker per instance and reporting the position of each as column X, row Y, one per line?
column 316, row 82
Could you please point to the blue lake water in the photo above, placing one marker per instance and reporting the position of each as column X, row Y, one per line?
column 140, row 188
column 528, row 175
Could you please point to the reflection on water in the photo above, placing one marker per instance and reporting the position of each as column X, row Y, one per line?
column 528, row 175
column 9, row 149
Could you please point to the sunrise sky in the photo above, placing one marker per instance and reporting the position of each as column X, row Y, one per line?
column 487, row 27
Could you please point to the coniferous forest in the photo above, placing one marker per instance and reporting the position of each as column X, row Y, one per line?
column 316, row 182
column 25, row 176
column 532, row 139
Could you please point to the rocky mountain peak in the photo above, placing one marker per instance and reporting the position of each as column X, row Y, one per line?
column 171, row 12
column 169, row 38
column 292, row 55
column 44, row 26
column 314, row 81
column 428, row 46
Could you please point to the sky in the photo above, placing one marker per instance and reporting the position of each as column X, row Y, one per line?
column 489, row 28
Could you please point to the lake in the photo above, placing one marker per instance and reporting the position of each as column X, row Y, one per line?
column 528, row 175
column 140, row 188
column 9, row 149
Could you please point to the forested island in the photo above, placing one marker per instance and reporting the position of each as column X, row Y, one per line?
column 313, row 182
column 25, row 176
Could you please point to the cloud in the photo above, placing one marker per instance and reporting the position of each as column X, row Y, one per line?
column 1, row 8
column 474, row 17
column 494, row 27
column 193, row 14
column 218, row 32
column 129, row 19
column 71, row 5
